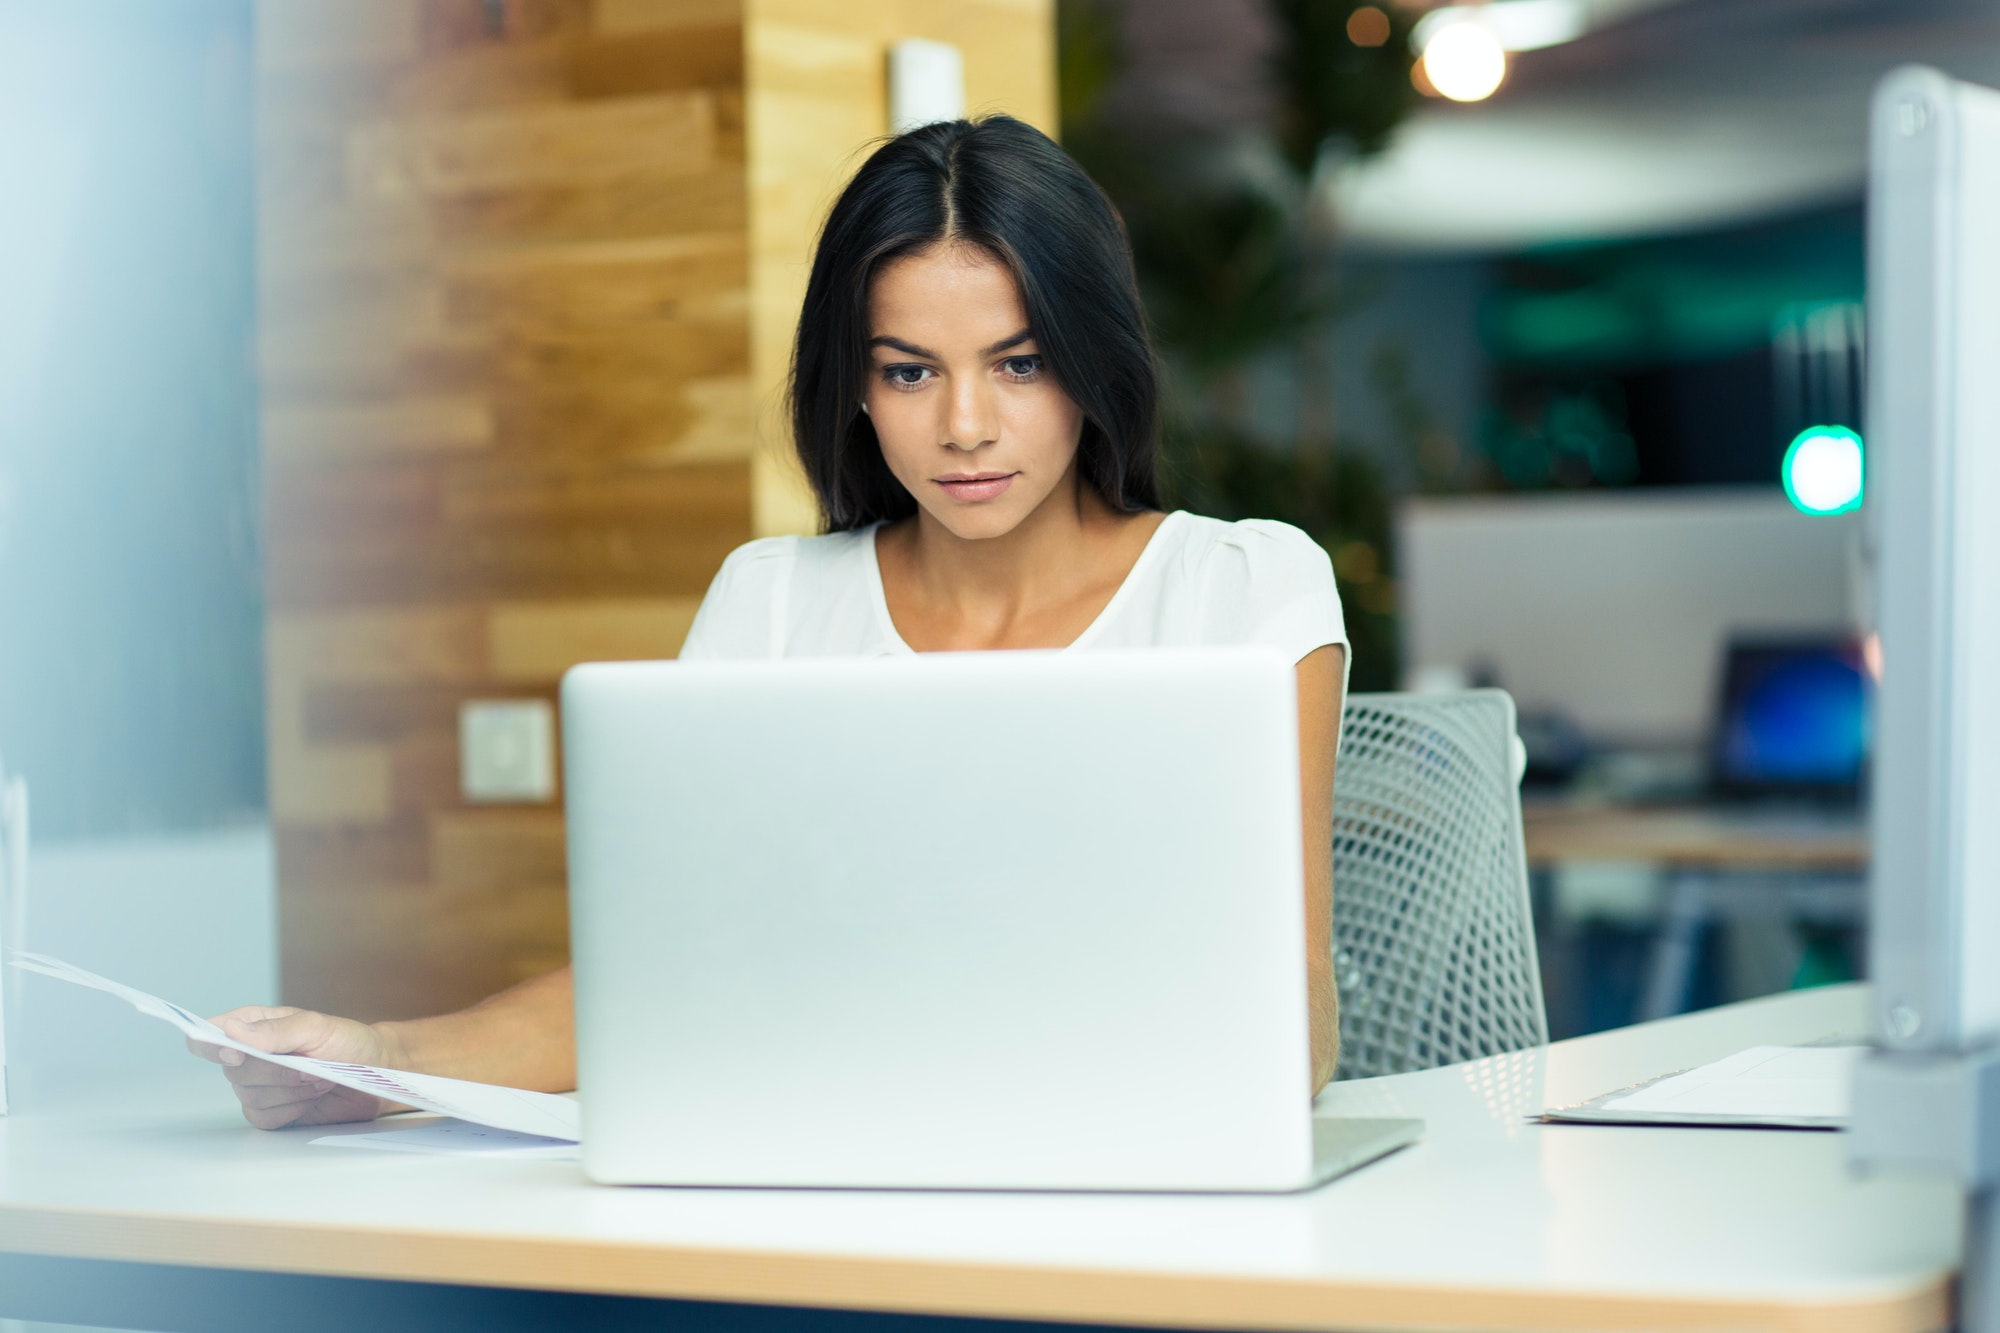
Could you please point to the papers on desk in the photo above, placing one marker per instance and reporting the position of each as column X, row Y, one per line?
column 456, row 1138
column 536, row 1113
column 1775, row 1087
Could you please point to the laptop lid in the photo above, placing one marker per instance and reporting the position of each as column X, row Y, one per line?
column 1011, row 920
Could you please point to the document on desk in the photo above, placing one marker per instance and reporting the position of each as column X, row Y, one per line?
column 539, row 1113
column 456, row 1138
column 1775, row 1087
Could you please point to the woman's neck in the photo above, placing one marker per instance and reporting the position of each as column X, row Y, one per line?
column 1027, row 588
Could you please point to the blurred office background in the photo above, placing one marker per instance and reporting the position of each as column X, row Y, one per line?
column 1545, row 317
column 363, row 365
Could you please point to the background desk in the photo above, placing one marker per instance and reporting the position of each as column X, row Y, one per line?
column 1693, row 837
column 1719, row 864
column 1490, row 1221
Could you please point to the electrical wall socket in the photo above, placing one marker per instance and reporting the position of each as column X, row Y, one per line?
column 507, row 750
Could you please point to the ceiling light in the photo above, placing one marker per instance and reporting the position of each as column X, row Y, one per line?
column 1368, row 26
column 1465, row 61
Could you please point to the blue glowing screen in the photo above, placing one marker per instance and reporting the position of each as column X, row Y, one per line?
column 1795, row 715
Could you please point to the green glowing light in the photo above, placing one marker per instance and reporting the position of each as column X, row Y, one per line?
column 1824, row 470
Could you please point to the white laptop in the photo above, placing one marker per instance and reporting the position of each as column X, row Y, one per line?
column 983, row 920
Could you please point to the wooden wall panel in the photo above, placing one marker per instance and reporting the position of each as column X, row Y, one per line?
column 505, row 365
column 529, row 273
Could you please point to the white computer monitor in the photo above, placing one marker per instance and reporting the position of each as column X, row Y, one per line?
column 1541, row 591
column 1933, row 515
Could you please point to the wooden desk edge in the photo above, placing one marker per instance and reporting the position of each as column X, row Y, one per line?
column 1689, row 837
column 1553, row 854
column 938, row 1287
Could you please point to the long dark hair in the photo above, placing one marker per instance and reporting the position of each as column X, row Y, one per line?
column 1005, row 187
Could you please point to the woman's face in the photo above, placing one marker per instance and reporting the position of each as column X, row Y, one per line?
column 969, row 418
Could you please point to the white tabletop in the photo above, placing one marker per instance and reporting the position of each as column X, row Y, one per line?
column 1490, row 1220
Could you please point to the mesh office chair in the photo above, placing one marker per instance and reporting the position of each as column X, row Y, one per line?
column 1434, row 943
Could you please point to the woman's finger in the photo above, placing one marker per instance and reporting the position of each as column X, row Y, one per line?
column 274, row 1118
column 226, row 1056
column 282, row 1031
column 252, row 1013
column 267, row 1098
column 262, row 1073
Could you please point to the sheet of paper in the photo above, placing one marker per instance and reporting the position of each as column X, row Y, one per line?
column 1764, row 1082
column 539, row 1113
column 456, row 1138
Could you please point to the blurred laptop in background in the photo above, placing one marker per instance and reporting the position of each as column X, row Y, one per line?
column 1792, row 721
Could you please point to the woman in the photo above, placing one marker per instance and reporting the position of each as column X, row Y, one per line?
column 973, row 399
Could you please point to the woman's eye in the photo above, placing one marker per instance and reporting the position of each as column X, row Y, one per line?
column 1022, row 367
column 905, row 376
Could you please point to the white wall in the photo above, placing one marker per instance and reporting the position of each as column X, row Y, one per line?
column 131, row 618
column 1613, row 606
column 189, row 917
column 131, row 621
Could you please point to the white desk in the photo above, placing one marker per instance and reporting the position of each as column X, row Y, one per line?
column 1491, row 1221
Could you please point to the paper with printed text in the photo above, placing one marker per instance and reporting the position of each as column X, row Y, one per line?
column 539, row 1113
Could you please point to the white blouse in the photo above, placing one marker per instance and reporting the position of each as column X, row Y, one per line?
column 1200, row 582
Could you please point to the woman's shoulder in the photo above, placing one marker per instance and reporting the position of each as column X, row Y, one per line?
column 747, row 609
column 1255, row 580
column 1256, row 548
column 767, row 555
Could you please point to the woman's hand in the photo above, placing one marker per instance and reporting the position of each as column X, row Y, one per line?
column 274, row 1096
column 521, row 1038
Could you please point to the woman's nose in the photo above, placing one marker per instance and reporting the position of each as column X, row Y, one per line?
column 974, row 418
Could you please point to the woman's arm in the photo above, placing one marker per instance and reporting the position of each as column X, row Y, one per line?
column 1320, row 675
column 522, row 1037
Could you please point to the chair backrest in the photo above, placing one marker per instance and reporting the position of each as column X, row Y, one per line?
column 1433, row 938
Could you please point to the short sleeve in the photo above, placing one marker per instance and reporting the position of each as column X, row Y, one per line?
column 1269, row 583
column 743, row 614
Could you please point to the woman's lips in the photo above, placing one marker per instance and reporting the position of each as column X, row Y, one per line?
column 978, row 486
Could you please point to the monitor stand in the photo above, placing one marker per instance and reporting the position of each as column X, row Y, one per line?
column 1940, row 1114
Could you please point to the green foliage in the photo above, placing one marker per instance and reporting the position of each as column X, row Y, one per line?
column 1226, row 271
column 1089, row 56
column 1337, row 499
column 1331, row 90
column 1233, row 245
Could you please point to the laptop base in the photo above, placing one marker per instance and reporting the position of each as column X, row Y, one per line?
column 1342, row 1144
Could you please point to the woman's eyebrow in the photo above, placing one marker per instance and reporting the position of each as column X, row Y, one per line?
column 1025, row 335
column 911, row 349
column 884, row 340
